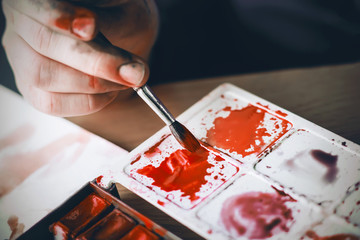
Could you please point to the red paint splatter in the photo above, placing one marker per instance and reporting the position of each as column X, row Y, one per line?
column 313, row 235
column 328, row 161
column 140, row 233
column 242, row 131
column 154, row 150
column 161, row 203
column 113, row 226
column 98, row 179
column 182, row 170
column 256, row 215
column 278, row 112
column 83, row 213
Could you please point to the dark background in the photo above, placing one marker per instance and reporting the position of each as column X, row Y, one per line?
column 201, row 38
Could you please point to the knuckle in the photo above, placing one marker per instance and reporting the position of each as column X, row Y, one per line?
column 91, row 103
column 42, row 78
column 47, row 104
column 97, row 63
column 42, row 39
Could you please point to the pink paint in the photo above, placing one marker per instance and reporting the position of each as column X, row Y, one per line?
column 17, row 167
column 242, row 131
column 19, row 135
column 257, row 215
column 16, row 228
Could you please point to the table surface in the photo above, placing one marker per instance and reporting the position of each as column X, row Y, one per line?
column 328, row 96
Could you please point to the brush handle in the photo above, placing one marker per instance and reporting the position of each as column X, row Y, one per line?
column 156, row 105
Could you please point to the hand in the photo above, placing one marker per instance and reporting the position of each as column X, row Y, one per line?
column 61, row 67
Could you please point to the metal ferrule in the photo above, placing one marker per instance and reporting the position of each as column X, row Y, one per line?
column 148, row 96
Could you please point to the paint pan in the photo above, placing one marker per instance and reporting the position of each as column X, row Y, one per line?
column 96, row 213
column 263, row 173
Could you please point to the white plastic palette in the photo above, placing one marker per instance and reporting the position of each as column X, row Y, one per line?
column 282, row 178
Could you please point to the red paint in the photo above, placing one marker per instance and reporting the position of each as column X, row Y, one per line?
column 98, row 179
column 257, row 215
column 328, row 161
column 140, row 233
column 313, row 235
column 182, row 170
column 112, row 227
column 154, row 150
column 278, row 112
column 81, row 22
column 242, row 131
column 20, row 134
column 161, row 203
column 83, row 213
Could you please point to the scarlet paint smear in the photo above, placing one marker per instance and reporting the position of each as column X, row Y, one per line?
column 182, row 170
column 313, row 235
column 111, row 227
column 83, row 213
column 256, row 215
column 243, row 130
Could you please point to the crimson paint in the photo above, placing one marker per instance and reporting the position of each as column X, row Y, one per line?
column 313, row 235
column 257, row 215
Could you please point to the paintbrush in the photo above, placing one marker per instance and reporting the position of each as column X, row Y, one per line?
column 180, row 132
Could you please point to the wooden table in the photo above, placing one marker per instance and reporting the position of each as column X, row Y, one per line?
column 328, row 96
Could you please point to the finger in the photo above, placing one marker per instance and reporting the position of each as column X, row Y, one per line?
column 99, row 59
column 66, row 104
column 58, row 15
column 50, row 75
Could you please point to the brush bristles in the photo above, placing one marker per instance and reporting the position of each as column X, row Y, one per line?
column 184, row 137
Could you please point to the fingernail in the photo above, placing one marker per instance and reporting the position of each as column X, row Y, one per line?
column 132, row 73
column 83, row 27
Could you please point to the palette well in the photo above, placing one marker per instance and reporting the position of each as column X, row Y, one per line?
column 262, row 172
column 96, row 213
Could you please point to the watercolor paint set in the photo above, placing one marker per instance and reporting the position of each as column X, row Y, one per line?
column 262, row 172
column 96, row 213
